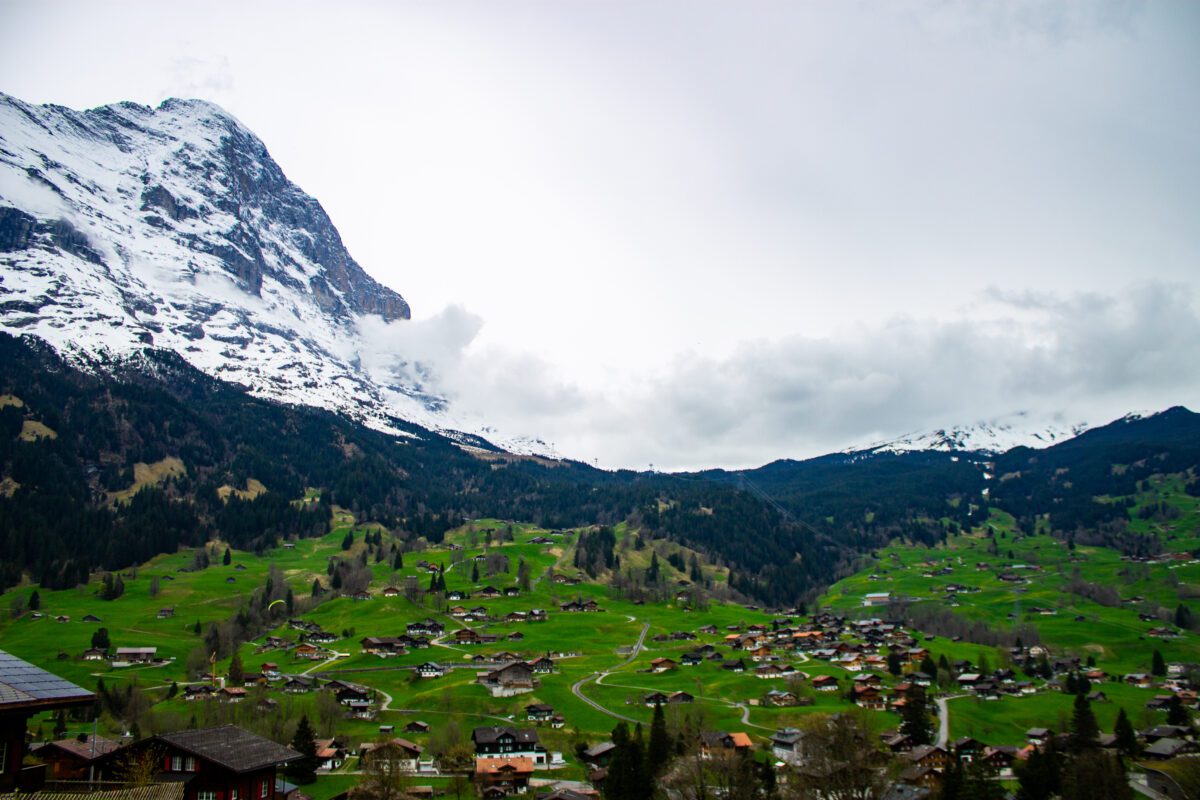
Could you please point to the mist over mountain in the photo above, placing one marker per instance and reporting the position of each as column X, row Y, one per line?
column 127, row 227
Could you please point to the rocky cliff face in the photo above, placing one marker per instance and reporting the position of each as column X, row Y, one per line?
column 124, row 227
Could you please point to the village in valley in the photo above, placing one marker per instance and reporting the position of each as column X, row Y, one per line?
column 508, row 659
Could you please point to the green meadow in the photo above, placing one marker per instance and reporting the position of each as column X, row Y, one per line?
column 1067, row 624
column 594, row 648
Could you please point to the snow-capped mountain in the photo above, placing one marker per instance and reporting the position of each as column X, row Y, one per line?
column 125, row 227
column 991, row 436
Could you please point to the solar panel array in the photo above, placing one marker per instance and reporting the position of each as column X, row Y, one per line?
column 22, row 682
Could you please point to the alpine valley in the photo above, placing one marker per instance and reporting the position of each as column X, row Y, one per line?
column 193, row 426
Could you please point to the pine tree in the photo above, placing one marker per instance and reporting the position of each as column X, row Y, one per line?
column 1127, row 741
column 616, row 783
column 348, row 541
column 894, row 665
column 652, row 572
column 316, row 587
column 929, row 667
column 398, row 561
column 658, row 752
column 304, row 770
column 60, row 724
column 1083, row 722
column 474, row 571
column 1183, row 617
column 1038, row 777
column 228, row 557
column 915, row 720
column 1093, row 774
column 627, row 775
column 237, row 672
column 35, row 601
column 1176, row 712
column 1157, row 665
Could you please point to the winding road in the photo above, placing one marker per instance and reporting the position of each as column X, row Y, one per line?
column 944, row 718
column 576, row 688
column 943, row 722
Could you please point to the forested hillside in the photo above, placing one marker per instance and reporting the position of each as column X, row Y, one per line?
column 105, row 467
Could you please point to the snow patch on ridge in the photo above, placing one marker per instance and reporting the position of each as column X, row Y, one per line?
column 991, row 436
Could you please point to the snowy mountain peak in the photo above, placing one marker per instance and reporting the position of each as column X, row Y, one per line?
column 991, row 436
column 125, row 227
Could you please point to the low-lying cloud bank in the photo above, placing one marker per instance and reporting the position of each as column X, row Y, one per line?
column 1088, row 357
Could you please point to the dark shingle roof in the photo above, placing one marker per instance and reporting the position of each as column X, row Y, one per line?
column 231, row 747
column 23, row 684
column 487, row 735
column 155, row 791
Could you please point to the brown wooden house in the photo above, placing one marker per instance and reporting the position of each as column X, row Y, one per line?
column 223, row 763
column 73, row 759
column 497, row 777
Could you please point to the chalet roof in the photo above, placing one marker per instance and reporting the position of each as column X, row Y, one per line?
column 722, row 739
column 1168, row 747
column 520, row 765
column 788, row 736
column 231, row 747
column 155, row 791
column 22, row 685
column 402, row 744
column 566, row 794
column 90, row 747
column 487, row 735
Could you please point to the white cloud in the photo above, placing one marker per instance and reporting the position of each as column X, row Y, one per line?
column 1084, row 357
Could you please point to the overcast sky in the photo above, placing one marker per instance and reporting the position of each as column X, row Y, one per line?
column 696, row 234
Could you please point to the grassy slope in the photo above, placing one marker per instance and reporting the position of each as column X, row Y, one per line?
column 1115, row 636
column 595, row 642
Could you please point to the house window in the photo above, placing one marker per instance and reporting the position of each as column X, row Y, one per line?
column 233, row 794
column 176, row 763
column 189, row 764
column 206, row 795
column 3, row 757
column 264, row 789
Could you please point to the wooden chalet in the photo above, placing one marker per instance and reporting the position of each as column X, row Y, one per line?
column 219, row 763
column 383, row 646
column 539, row 712
column 75, row 759
column 502, row 776
column 401, row 754
column 715, row 742
column 508, row 680
column 504, row 741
